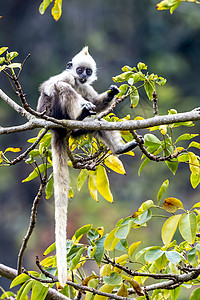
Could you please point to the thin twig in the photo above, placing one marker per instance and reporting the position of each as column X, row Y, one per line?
column 31, row 225
column 23, row 155
column 155, row 104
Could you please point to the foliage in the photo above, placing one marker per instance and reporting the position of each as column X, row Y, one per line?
column 115, row 255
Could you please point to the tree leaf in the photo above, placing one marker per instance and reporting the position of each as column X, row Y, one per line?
column 44, row 5
column 143, row 207
column 113, row 279
column 194, row 163
column 80, row 232
column 188, row 227
column 57, row 10
column 19, row 280
column 115, row 164
column 134, row 96
column 149, row 88
column 36, row 172
column 175, row 293
column 185, row 136
column 169, row 228
column 83, row 175
column 106, row 288
column 39, row 291
column 151, row 140
column 77, row 258
column 173, row 256
column 92, row 184
column 172, row 165
column 195, row 294
column 103, row 184
column 24, row 290
column 133, row 247
column 153, row 254
column 172, row 204
column 111, row 241
column 99, row 250
column 3, row 49
column 162, row 189
column 11, row 149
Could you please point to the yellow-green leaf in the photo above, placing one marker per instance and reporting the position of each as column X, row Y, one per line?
column 169, row 228
column 103, row 184
column 162, row 189
column 193, row 163
column 172, row 204
column 111, row 241
column 106, row 288
column 115, row 164
column 144, row 206
column 11, row 149
column 122, row 291
column 39, row 291
column 3, row 49
column 82, row 178
column 133, row 247
column 92, row 185
column 188, row 227
column 57, row 9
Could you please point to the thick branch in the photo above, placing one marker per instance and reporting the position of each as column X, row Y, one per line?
column 11, row 273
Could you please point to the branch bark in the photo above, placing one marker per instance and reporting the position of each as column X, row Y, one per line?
column 11, row 273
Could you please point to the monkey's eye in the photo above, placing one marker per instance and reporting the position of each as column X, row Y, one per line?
column 89, row 71
column 79, row 70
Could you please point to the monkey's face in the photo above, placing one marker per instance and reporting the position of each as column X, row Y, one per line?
column 83, row 74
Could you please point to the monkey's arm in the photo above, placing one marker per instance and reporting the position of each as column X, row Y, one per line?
column 101, row 101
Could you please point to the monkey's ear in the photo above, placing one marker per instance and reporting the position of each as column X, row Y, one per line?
column 69, row 65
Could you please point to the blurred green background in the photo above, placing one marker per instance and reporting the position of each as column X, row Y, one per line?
column 118, row 33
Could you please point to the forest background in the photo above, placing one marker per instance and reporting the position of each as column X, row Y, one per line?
column 118, row 33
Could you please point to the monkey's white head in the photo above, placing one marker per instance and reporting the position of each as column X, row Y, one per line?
column 83, row 67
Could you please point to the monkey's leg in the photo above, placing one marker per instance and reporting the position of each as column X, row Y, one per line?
column 113, row 140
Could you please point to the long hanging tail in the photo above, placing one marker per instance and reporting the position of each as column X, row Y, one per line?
column 61, row 187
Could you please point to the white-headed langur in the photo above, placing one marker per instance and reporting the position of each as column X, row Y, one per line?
column 70, row 96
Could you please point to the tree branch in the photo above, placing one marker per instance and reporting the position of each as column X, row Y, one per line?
column 11, row 273
column 31, row 225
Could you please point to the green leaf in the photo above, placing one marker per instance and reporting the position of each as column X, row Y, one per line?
column 24, row 290
column 123, row 230
column 144, row 163
column 134, row 96
column 80, row 232
column 175, row 293
column 19, row 280
column 143, row 207
column 122, row 77
column 151, row 140
column 83, row 175
column 162, row 189
column 141, row 66
column 77, row 258
column 44, row 5
column 49, row 187
column 172, row 165
column 113, row 279
column 39, row 291
column 195, row 294
column 169, row 228
column 36, row 172
column 188, row 227
column 192, row 258
column 173, row 256
column 153, row 254
column 185, row 136
column 99, row 250
column 149, row 88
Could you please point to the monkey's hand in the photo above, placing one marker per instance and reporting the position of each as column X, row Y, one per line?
column 112, row 92
column 88, row 109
